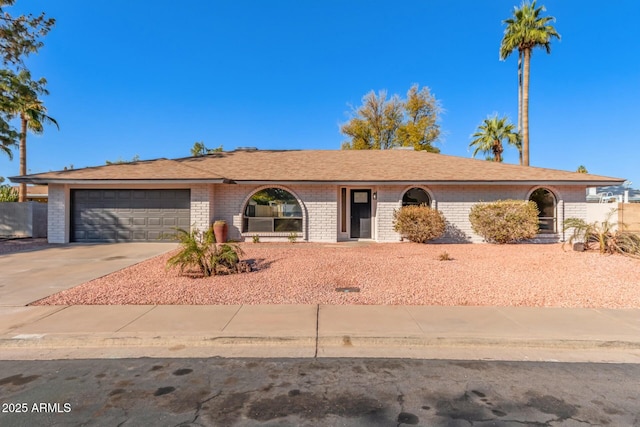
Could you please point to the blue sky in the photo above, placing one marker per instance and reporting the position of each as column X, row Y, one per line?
column 127, row 79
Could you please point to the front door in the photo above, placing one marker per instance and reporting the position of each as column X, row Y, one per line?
column 360, row 214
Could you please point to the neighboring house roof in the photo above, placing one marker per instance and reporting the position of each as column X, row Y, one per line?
column 36, row 191
column 357, row 166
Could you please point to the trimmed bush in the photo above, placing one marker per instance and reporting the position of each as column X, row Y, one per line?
column 418, row 223
column 505, row 221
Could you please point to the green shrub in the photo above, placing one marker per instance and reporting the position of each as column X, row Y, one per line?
column 8, row 194
column 293, row 237
column 505, row 221
column 418, row 223
column 256, row 238
column 199, row 251
column 604, row 236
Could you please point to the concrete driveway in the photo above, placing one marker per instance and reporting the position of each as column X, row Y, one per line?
column 29, row 276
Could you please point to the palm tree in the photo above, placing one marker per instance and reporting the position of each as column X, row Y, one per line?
column 7, row 141
column 525, row 31
column 490, row 135
column 31, row 112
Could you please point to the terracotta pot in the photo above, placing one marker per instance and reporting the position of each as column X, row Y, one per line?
column 220, row 230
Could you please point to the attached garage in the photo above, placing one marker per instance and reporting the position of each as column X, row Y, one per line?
column 126, row 215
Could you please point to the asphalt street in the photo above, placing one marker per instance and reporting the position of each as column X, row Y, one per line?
column 317, row 392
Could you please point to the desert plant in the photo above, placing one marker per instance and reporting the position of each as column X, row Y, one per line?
column 256, row 238
column 505, row 221
column 8, row 194
column 200, row 251
column 606, row 236
column 418, row 223
column 292, row 237
column 444, row 256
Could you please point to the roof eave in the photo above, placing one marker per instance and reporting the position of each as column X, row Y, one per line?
column 432, row 182
column 46, row 181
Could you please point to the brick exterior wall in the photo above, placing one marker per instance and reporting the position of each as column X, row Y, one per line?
column 319, row 203
column 455, row 202
column 58, row 214
column 200, row 206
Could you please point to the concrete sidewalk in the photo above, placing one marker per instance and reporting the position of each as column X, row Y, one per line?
column 534, row 334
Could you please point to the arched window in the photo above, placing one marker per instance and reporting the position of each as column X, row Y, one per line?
column 416, row 196
column 546, row 202
column 272, row 210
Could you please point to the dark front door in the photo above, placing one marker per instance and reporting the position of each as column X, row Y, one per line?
column 360, row 214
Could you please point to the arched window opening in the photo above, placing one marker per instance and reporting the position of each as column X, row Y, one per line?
column 546, row 202
column 272, row 210
column 415, row 197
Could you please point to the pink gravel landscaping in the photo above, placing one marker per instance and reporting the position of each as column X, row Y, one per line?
column 389, row 274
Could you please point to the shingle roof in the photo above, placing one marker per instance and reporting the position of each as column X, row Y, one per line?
column 160, row 169
column 324, row 166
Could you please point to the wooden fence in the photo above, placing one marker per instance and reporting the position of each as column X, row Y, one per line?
column 629, row 214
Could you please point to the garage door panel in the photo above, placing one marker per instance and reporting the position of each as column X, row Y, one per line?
column 139, row 221
column 128, row 215
column 183, row 223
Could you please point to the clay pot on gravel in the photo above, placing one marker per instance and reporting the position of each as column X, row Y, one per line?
column 220, row 230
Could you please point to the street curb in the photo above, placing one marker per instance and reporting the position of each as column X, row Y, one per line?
column 57, row 341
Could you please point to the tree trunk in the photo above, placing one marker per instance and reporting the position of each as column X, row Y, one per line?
column 520, row 101
column 525, row 108
column 22, row 193
column 497, row 151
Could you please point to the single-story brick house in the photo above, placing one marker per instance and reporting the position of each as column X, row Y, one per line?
column 318, row 195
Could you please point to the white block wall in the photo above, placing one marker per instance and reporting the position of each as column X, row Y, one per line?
column 320, row 208
column 318, row 203
column 389, row 199
column 58, row 214
column 200, row 206
column 455, row 202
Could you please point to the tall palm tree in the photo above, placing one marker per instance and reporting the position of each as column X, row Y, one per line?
column 490, row 135
column 525, row 31
column 30, row 110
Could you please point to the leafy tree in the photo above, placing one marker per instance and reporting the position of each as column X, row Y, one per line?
column 526, row 30
column 19, row 37
column 420, row 129
column 582, row 169
column 490, row 136
column 22, row 100
column 382, row 123
column 8, row 193
column 199, row 149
